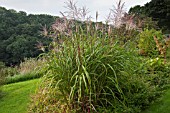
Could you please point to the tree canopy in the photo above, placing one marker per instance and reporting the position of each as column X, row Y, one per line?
column 20, row 33
column 159, row 10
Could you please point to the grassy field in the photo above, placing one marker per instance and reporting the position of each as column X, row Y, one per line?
column 17, row 96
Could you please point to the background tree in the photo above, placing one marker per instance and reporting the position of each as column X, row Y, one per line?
column 159, row 10
column 20, row 33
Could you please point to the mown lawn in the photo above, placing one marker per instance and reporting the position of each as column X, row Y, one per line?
column 17, row 96
column 163, row 106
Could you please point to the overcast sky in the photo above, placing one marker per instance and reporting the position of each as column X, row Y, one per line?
column 53, row 7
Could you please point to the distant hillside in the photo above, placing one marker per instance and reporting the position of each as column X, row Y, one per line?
column 20, row 33
column 159, row 10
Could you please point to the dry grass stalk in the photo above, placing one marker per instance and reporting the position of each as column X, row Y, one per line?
column 45, row 31
column 116, row 14
column 40, row 46
column 128, row 20
column 74, row 12
column 29, row 65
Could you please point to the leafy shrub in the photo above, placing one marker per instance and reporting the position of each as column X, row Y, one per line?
column 155, row 64
column 2, row 65
column 168, row 48
column 147, row 45
column 158, row 72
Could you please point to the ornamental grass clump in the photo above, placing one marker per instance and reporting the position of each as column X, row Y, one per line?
column 86, row 71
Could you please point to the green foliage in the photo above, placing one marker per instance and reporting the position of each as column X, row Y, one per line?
column 6, row 72
column 20, row 34
column 2, row 66
column 159, row 73
column 155, row 64
column 2, row 78
column 147, row 44
column 22, row 77
column 159, row 10
column 137, row 10
column 9, row 71
column 29, row 69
